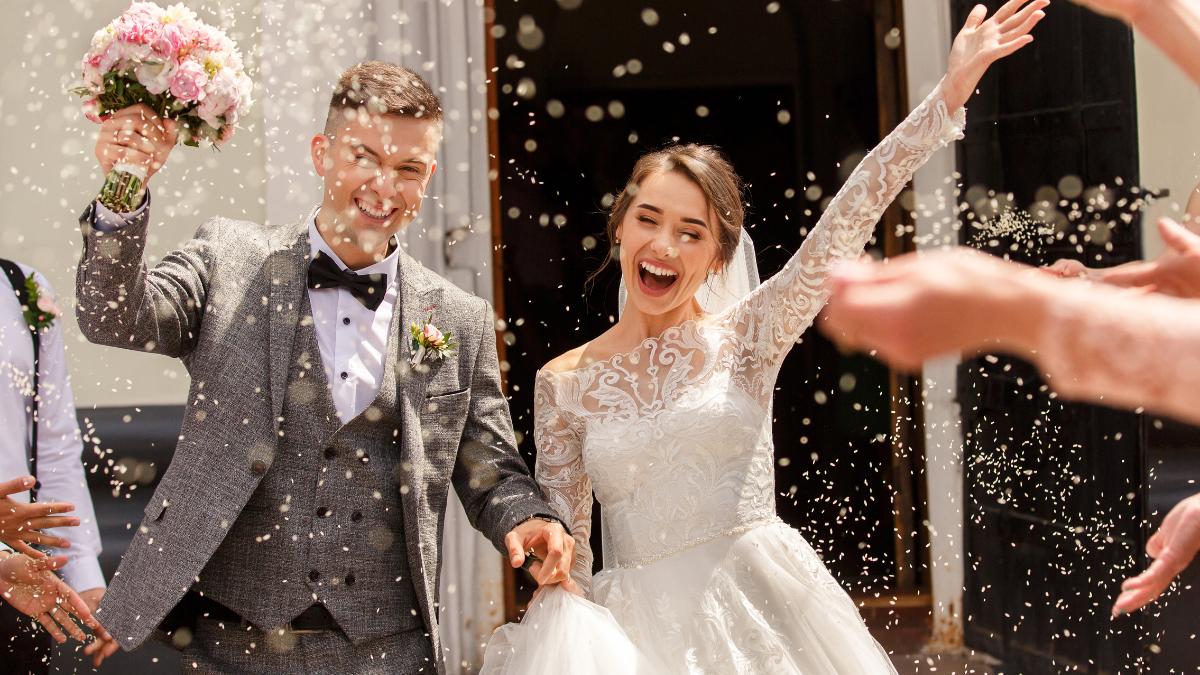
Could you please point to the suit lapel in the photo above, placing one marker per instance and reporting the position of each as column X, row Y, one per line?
column 412, row 381
column 287, row 268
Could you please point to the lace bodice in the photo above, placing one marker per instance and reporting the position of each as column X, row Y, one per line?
column 675, row 436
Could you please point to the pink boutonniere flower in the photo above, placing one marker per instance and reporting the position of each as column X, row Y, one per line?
column 429, row 342
column 41, row 311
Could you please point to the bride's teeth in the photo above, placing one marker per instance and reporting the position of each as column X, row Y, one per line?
column 657, row 271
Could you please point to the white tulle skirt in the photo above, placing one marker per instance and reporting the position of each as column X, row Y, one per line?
column 759, row 602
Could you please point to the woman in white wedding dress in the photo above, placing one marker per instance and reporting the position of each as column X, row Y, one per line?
column 666, row 417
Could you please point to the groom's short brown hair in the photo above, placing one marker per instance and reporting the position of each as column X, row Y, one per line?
column 382, row 88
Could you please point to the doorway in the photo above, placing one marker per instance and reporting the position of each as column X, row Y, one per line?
column 795, row 93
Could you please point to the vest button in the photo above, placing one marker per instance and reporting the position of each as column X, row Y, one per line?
column 356, row 516
column 350, row 579
column 258, row 467
column 323, row 512
column 330, row 453
column 314, row 575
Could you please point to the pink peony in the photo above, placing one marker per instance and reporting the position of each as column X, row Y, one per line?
column 171, row 39
column 187, row 84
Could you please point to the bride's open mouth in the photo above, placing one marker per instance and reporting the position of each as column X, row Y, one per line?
column 656, row 280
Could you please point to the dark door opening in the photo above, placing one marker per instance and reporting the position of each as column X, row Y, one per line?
column 792, row 96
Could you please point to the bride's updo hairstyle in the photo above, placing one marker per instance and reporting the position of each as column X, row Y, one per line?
column 707, row 167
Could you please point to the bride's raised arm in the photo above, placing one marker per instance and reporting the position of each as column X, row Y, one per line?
column 560, row 472
column 778, row 312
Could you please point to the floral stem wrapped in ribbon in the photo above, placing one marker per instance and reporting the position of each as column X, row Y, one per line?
column 174, row 63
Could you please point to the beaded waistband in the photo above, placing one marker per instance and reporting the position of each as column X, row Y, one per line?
column 741, row 528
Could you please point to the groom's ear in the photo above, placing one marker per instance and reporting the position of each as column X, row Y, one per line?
column 319, row 147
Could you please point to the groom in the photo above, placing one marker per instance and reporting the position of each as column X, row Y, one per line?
column 298, row 527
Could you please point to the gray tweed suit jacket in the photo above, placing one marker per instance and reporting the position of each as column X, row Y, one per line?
column 227, row 304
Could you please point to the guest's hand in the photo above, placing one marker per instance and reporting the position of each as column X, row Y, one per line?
column 552, row 549
column 1172, row 547
column 1176, row 273
column 136, row 135
column 915, row 307
column 983, row 41
column 1128, row 11
column 1069, row 268
column 32, row 588
column 22, row 523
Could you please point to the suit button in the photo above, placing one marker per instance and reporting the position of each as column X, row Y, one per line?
column 323, row 512
column 330, row 453
column 356, row 516
column 258, row 467
column 350, row 579
column 314, row 575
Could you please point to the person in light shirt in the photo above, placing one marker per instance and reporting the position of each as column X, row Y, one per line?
column 61, row 482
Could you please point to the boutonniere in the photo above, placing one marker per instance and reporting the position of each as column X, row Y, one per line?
column 429, row 342
column 41, row 311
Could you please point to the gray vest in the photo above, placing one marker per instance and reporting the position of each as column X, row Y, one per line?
column 325, row 524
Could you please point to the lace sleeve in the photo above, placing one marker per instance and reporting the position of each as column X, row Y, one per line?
column 1124, row 349
column 560, row 472
column 777, row 313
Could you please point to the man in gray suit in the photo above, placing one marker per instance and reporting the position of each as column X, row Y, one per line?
column 298, row 527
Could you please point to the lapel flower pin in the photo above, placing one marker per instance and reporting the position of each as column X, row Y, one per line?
column 429, row 342
column 41, row 311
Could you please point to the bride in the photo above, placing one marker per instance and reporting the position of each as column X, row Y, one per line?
column 666, row 418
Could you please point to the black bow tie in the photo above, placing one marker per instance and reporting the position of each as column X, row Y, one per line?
column 368, row 289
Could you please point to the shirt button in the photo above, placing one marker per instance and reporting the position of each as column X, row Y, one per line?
column 259, row 467
column 314, row 575
column 345, row 321
column 323, row 512
column 350, row 579
column 356, row 516
column 345, row 375
column 330, row 453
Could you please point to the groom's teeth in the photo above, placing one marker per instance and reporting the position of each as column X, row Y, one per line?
column 658, row 271
column 374, row 214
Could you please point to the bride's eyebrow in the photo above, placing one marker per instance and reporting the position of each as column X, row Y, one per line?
column 655, row 209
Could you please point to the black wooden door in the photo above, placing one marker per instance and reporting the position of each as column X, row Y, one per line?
column 1054, row 490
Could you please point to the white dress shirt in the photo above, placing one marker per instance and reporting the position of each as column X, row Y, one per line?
column 352, row 338
column 60, row 463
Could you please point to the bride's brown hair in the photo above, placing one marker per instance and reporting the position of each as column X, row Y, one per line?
column 708, row 168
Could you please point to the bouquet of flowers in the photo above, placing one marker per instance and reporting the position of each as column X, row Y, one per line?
column 174, row 63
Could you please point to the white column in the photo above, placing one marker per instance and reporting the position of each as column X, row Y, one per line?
column 927, row 37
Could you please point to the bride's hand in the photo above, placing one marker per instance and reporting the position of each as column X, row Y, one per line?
column 983, row 41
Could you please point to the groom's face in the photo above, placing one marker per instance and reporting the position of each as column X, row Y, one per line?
column 375, row 170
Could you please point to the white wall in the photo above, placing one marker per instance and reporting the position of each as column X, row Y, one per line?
column 1168, row 136
column 49, row 174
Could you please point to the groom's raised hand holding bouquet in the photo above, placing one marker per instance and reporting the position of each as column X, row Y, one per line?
column 152, row 78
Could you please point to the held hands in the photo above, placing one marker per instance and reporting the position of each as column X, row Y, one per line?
column 136, row 135
column 983, row 41
column 1172, row 547
column 552, row 549
column 21, row 524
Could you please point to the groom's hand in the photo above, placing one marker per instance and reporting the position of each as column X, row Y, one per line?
column 547, row 544
column 136, row 135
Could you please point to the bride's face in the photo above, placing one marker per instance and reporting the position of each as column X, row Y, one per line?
column 668, row 244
